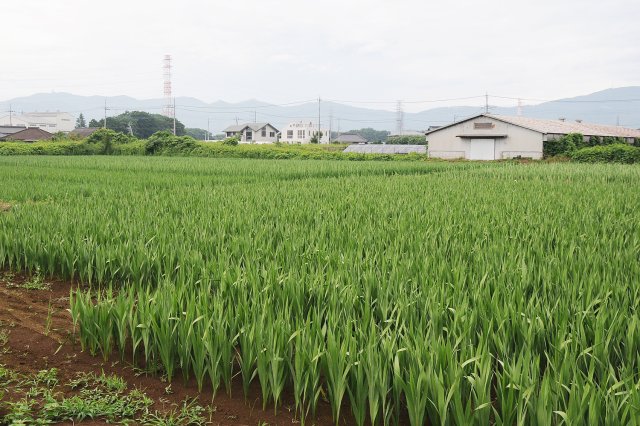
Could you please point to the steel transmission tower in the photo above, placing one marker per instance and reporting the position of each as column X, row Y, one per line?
column 168, row 109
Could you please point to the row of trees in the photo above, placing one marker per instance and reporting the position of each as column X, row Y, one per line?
column 135, row 123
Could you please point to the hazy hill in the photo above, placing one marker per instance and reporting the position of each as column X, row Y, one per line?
column 611, row 106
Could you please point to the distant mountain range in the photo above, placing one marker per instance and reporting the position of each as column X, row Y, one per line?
column 619, row 106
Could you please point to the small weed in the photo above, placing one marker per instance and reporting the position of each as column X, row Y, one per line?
column 4, row 338
column 48, row 378
column 110, row 383
column 190, row 413
column 48, row 321
column 36, row 282
column 8, row 276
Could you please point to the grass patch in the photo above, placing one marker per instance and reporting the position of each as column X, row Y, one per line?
column 40, row 401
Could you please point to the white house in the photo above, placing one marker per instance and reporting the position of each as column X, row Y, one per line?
column 52, row 122
column 302, row 132
column 495, row 137
column 253, row 132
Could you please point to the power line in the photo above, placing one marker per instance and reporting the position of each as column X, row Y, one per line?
column 566, row 100
column 308, row 101
column 407, row 102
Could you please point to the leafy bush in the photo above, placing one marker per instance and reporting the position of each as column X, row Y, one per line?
column 133, row 148
column 166, row 143
column 563, row 145
column 616, row 153
column 108, row 140
column 108, row 136
column 232, row 141
column 407, row 140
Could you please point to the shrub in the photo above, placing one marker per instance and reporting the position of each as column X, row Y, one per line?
column 167, row 143
column 563, row 145
column 108, row 140
column 232, row 141
column 616, row 153
column 108, row 136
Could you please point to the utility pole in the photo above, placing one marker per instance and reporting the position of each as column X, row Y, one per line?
column 255, row 119
column 207, row 135
column 318, row 133
column 174, row 116
column 105, row 114
column 10, row 115
column 486, row 103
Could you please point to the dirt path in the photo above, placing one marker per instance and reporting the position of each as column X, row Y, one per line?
column 40, row 336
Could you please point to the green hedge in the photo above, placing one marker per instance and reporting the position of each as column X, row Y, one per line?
column 617, row 153
column 300, row 152
column 567, row 144
column 407, row 140
column 186, row 146
column 48, row 148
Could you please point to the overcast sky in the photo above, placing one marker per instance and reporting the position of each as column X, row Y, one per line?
column 288, row 50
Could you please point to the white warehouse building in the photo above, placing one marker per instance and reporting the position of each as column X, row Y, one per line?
column 496, row 137
column 50, row 121
column 302, row 132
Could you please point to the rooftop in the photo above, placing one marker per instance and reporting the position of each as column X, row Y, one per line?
column 561, row 127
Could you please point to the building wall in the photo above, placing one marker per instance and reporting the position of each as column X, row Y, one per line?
column 523, row 142
column 13, row 121
column 50, row 121
column 309, row 129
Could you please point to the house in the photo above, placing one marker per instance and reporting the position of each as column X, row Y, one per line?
column 50, row 121
column 351, row 138
column 495, row 137
column 9, row 130
column 386, row 149
column 83, row 132
column 253, row 133
column 30, row 134
column 302, row 132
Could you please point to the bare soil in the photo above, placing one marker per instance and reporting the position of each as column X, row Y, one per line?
column 33, row 346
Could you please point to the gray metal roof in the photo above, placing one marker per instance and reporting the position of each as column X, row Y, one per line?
column 387, row 149
column 9, row 130
column 560, row 127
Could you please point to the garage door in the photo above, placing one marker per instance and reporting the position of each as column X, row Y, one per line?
column 482, row 149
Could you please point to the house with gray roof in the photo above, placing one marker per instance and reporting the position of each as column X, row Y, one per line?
column 495, row 137
column 351, row 138
column 253, row 133
column 29, row 134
